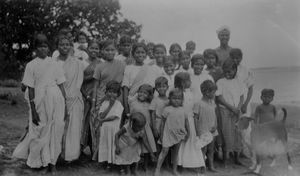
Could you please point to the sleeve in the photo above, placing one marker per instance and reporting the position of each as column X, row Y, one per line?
column 153, row 105
column 220, row 88
column 126, row 78
column 28, row 78
column 196, row 108
column 97, row 72
column 60, row 75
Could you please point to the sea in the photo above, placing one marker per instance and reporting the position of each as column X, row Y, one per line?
column 284, row 80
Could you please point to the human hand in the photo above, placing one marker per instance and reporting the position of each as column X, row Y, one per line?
column 236, row 111
column 213, row 129
column 153, row 157
column 118, row 150
column 186, row 137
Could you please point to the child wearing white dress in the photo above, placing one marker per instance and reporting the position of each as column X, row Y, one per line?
column 108, row 121
column 189, row 155
column 129, row 140
column 174, row 129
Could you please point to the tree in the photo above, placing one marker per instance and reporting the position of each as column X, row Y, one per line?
column 21, row 20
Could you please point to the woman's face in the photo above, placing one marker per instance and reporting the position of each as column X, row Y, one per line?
column 64, row 46
column 109, row 52
column 198, row 67
column 94, row 50
column 140, row 55
column 42, row 50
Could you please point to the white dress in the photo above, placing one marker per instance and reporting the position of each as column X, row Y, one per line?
column 189, row 154
column 108, row 131
column 196, row 81
column 42, row 144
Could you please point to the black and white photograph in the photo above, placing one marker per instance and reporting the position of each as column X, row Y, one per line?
column 150, row 87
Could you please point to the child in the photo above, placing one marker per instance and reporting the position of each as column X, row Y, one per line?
column 230, row 97
column 174, row 129
column 265, row 112
column 185, row 60
column 141, row 104
column 81, row 42
column 108, row 121
column 206, row 120
column 44, row 80
column 150, row 47
column 198, row 76
column 127, row 142
column 188, row 155
column 175, row 50
column 245, row 76
column 211, row 59
column 158, row 104
column 169, row 70
column 125, row 45
column 190, row 47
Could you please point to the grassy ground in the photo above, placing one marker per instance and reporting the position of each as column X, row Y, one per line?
column 13, row 120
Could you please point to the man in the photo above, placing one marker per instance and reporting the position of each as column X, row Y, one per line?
column 224, row 49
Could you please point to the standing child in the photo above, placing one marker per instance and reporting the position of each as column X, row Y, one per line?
column 158, row 104
column 265, row 112
column 185, row 61
column 188, row 155
column 198, row 76
column 108, row 120
column 174, row 129
column 190, row 47
column 206, row 120
column 141, row 104
column 169, row 70
column 44, row 80
column 211, row 59
column 128, row 145
column 124, row 49
column 230, row 96
column 175, row 50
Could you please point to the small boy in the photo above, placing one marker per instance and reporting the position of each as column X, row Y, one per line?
column 265, row 112
column 158, row 104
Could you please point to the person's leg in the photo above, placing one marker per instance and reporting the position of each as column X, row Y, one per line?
column 210, row 156
column 175, row 158
column 161, row 159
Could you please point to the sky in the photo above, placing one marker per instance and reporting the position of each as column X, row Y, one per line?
column 267, row 31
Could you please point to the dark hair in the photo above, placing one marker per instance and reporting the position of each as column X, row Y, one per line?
column 106, row 43
column 149, row 89
column 236, row 52
column 174, row 92
column 208, row 52
column 208, row 86
column 161, row 81
column 64, row 31
column 267, row 92
column 150, row 44
column 125, row 39
column 228, row 64
column 81, row 33
column 180, row 78
column 167, row 59
column 190, row 43
column 113, row 86
column 159, row 46
column 94, row 41
column 63, row 37
column 135, row 46
column 40, row 39
column 138, row 118
column 173, row 46
column 195, row 58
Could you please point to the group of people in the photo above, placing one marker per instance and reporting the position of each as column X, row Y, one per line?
column 130, row 101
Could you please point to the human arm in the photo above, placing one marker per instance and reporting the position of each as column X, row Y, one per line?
column 117, row 137
column 63, row 91
column 274, row 111
column 256, row 115
column 248, row 98
column 240, row 105
column 196, row 121
column 187, row 128
column 125, row 99
column 152, row 124
column 161, row 128
column 94, row 95
column 222, row 101
column 147, row 146
column 35, row 115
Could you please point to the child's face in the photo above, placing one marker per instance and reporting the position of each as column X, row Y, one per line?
column 266, row 99
column 109, row 52
column 190, row 49
column 125, row 48
column 169, row 68
column 139, row 55
column 111, row 95
column 211, row 60
column 229, row 74
column 237, row 60
column 136, row 127
column 159, row 53
column 187, row 83
column 185, row 61
column 209, row 94
column 42, row 50
column 176, row 100
column 198, row 67
column 143, row 95
column 93, row 50
column 175, row 52
column 82, row 39
column 162, row 89
column 64, row 46
column 150, row 51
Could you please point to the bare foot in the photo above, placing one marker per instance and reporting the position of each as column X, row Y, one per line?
column 212, row 169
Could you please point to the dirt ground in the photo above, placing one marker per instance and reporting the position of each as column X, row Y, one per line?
column 13, row 120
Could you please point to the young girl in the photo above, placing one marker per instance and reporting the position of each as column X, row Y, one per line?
column 184, row 60
column 110, row 69
column 130, row 84
column 198, row 76
column 158, row 104
column 169, row 70
column 206, row 120
column 211, row 59
column 128, row 145
column 73, row 70
column 108, row 119
column 87, row 89
column 175, row 50
column 44, row 80
column 125, row 45
column 230, row 96
column 188, row 155
column 174, row 129
column 141, row 104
